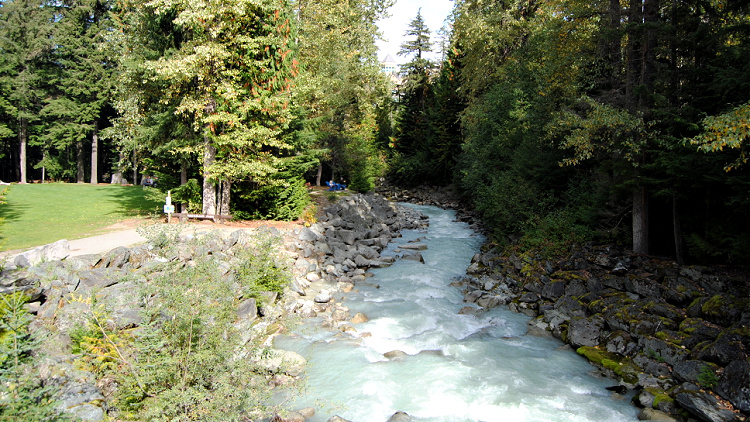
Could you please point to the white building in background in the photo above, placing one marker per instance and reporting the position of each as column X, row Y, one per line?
column 389, row 67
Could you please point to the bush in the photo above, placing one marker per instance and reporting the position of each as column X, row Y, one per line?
column 284, row 200
column 191, row 194
column 190, row 361
column 23, row 397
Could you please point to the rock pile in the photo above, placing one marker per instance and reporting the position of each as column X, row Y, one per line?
column 61, row 294
column 679, row 335
column 335, row 253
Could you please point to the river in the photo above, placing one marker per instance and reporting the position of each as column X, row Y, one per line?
column 457, row 367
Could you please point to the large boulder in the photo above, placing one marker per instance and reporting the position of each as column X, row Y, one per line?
column 585, row 331
column 734, row 384
column 54, row 251
column 704, row 406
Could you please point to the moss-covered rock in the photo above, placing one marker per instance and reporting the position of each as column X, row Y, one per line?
column 617, row 364
column 723, row 309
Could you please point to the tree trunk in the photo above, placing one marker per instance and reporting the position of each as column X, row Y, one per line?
column 117, row 175
column 95, row 154
column 209, row 187
column 135, row 168
column 183, row 182
column 226, row 187
column 634, row 58
column 22, row 138
column 80, row 170
column 679, row 250
column 650, row 43
column 640, row 220
column 613, row 46
column 320, row 174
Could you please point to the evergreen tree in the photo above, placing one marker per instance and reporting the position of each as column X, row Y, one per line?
column 82, row 85
column 340, row 87
column 415, row 93
column 229, row 75
column 25, row 42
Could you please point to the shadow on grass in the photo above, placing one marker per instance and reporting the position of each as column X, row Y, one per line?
column 11, row 211
column 136, row 201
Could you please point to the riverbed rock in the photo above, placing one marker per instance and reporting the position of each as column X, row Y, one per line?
column 359, row 318
column 395, row 355
column 400, row 417
column 649, row 414
column 323, row 297
column 585, row 331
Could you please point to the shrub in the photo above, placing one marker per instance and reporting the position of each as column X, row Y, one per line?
column 284, row 200
column 190, row 361
column 707, row 377
column 190, row 193
column 23, row 397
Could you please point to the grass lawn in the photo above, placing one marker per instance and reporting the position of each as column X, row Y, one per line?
column 38, row 214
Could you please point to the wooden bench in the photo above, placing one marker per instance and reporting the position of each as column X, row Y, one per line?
column 216, row 218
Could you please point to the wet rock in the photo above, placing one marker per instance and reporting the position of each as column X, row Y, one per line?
column 415, row 256
column 414, row 246
column 649, row 414
column 704, row 406
column 323, row 297
column 734, row 384
column 395, row 355
column 400, row 417
column 336, row 418
column 585, row 331
column 359, row 318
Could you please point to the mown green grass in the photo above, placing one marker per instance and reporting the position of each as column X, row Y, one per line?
column 38, row 214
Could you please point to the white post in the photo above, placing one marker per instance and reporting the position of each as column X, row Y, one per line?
column 168, row 207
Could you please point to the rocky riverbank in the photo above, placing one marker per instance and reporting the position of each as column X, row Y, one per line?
column 679, row 335
column 329, row 256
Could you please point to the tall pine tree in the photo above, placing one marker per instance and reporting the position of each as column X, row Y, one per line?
column 82, row 84
column 25, row 43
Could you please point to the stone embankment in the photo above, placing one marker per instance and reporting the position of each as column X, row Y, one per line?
column 679, row 335
column 326, row 257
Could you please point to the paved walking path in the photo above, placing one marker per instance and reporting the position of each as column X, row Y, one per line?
column 103, row 243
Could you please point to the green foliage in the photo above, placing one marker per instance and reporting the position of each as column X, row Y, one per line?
column 160, row 235
column 260, row 270
column 98, row 343
column 555, row 234
column 729, row 130
column 190, row 361
column 22, row 394
column 189, row 193
column 707, row 377
column 282, row 200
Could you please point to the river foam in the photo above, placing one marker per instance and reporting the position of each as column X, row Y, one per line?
column 452, row 367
